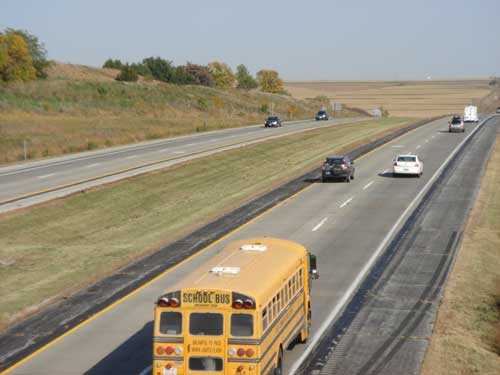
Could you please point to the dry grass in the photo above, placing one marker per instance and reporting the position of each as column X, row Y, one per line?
column 466, row 338
column 80, row 108
column 412, row 98
column 49, row 250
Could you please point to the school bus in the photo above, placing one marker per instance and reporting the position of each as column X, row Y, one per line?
column 238, row 313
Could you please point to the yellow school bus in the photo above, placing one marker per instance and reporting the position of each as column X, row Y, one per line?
column 237, row 313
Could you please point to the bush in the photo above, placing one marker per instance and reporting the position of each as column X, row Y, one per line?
column 127, row 74
column 244, row 78
column 160, row 69
column 203, row 104
column 264, row 108
column 113, row 64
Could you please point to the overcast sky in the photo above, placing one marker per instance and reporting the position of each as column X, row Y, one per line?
column 324, row 39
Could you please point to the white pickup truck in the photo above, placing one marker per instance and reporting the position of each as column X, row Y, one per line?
column 470, row 114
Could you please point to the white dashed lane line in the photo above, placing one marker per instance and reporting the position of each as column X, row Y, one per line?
column 46, row 176
column 367, row 185
column 346, row 202
column 320, row 224
column 92, row 165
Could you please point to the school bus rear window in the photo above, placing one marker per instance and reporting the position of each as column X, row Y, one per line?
column 171, row 323
column 206, row 324
column 241, row 325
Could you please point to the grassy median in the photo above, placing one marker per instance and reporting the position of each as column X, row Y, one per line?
column 51, row 250
column 466, row 338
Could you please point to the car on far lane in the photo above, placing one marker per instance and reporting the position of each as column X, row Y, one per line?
column 337, row 167
column 322, row 115
column 498, row 109
column 456, row 124
column 273, row 122
column 408, row 165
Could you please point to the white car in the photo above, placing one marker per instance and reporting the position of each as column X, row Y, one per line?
column 470, row 114
column 408, row 165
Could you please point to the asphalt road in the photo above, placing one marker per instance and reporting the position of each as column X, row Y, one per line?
column 19, row 182
column 346, row 225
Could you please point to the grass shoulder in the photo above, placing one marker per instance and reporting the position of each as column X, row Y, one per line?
column 466, row 338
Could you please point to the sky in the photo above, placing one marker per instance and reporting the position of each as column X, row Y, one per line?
column 303, row 40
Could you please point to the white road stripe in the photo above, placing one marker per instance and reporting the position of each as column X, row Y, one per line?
column 92, row 165
column 179, row 152
column 145, row 371
column 367, row 185
column 426, row 141
column 357, row 281
column 346, row 202
column 418, row 147
column 319, row 224
column 46, row 175
column 384, row 171
column 131, row 157
column 398, row 146
column 163, row 150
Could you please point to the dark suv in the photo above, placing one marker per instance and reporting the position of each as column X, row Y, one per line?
column 273, row 122
column 337, row 167
column 321, row 115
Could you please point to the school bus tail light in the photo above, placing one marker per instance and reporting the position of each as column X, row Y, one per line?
column 249, row 352
column 160, row 350
column 169, row 350
column 241, row 352
column 248, row 304
column 238, row 304
column 169, row 300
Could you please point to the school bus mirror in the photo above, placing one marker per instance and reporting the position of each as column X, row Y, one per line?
column 313, row 267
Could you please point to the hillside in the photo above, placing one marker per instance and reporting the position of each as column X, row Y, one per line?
column 82, row 108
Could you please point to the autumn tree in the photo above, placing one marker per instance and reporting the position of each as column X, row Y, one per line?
column 36, row 50
column 269, row 81
column 223, row 75
column 244, row 78
column 201, row 74
column 16, row 63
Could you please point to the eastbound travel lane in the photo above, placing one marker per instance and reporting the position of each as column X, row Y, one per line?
column 25, row 179
column 342, row 223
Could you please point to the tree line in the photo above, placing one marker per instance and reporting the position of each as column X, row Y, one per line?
column 215, row 74
column 22, row 56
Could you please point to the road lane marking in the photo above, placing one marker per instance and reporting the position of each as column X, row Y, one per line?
column 426, row 141
column 346, row 202
column 163, row 150
column 418, row 147
column 398, row 146
column 46, row 176
column 131, row 156
column 367, row 185
column 92, row 165
column 179, row 152
column 361, row 275
column 320, row 224
column 384, row 171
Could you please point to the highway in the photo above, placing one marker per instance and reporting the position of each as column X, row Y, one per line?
column 25, row 184
column 345, row 225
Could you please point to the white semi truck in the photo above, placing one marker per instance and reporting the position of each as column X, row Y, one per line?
column 470, row 114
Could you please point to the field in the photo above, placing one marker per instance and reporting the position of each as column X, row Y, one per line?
column 466, row 338
column 80, row 108
column 405, row 98
column 53, row 249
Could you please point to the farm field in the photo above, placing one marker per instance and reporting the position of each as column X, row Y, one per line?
column 404, row 98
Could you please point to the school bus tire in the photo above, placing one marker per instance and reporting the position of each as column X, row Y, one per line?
column 278, row 370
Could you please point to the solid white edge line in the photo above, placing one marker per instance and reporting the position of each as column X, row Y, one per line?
column 320, row 224
column 367, row 185
column 357, row 281
column 146, row 370
column 346, row 202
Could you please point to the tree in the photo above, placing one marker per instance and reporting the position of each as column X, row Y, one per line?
column 222, row 74
column 127, row 74
column 244, row 78
column 181, row 76
column 270, row 81
column 113, row 64
column 141, row 69
column 162, row 70
column 200, row 74
column 36, row 50
column 16, row 63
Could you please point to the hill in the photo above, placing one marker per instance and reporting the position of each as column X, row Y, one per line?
column 81, row 108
